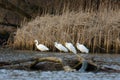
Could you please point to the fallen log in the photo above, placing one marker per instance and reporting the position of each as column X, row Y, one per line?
column 58, row 63
column 109, row 70
column 54, row 63
column 2, row 63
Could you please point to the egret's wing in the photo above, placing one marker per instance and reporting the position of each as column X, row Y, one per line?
column 78, row 47
column 63, row 48
column 58, row 47
column 73, row 49
column 66, row 45
column 43, row 47
column 85, row 49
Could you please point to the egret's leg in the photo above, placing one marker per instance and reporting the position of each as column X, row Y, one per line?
column 84, row 66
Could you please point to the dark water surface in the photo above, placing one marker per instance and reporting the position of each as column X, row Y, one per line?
column 110, row 60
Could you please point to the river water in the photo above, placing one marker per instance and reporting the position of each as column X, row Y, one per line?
column 5, row 74
column 55, row 75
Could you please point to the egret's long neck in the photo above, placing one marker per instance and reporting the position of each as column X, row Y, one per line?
column 36, row 43
column 56, row 44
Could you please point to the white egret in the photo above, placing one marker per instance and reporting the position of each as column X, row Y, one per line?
column 71, row 47
column 82, row 48
column 41, row 47
column 60, row 47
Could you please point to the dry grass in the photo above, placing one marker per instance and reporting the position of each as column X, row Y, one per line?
column 95, row 23
column 100, row 32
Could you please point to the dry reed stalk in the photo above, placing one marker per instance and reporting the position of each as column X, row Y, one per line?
column 91, row 29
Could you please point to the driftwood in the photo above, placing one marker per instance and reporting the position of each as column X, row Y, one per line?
column 32, row 64
column 59, row 63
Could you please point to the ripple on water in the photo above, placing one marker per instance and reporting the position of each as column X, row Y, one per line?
column 55, row 75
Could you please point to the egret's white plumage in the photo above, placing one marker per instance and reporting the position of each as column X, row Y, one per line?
column 41, row 47
column 71, row 47
column 60, row 47
column 82, row 48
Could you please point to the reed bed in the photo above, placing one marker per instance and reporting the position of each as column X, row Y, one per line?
column 59, row 6
column 99, row 31
column 94, row 23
